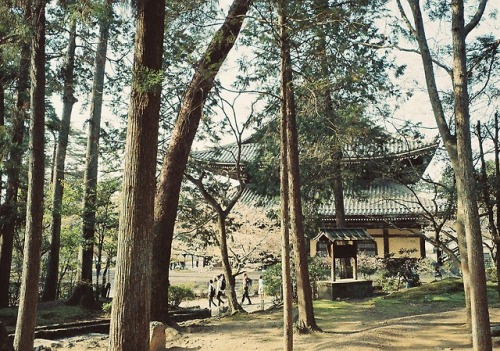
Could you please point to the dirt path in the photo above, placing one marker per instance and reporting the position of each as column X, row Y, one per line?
column 262, row 331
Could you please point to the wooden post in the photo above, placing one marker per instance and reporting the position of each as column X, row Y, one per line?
column 333, row 261
column 355, row 268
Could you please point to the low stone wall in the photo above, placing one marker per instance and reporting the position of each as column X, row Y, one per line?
column 345, row 288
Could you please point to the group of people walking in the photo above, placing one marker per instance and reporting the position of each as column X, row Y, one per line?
column 217, row 288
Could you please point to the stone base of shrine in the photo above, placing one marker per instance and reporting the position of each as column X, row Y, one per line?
column 344, row 288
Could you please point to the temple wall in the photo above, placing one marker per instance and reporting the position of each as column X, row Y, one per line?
column 391, row 240
column 408, row 243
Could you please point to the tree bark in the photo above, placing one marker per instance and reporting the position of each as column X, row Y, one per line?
column 176, row 156
column 25, row 326
column 13, row 168
column 306, row 320
column 481, row 333
column 226, row 266
column 285, row 208
column 92, row 157
column 130, row 314
column 50, row 286
column 496, row 144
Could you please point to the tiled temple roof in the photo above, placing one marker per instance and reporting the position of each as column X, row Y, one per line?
column 383, row 198
column 380, row 201
column 226, row 155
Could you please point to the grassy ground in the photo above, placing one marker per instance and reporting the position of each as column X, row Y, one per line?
column 51, row 313
column 439, row 296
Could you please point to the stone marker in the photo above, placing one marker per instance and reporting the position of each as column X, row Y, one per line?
column 157, row 339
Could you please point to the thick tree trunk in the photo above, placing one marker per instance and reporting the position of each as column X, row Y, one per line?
column 306, row 320
column 91, row 162
column 232, row 299
column 50, row 287
column 464, row 262
column 130, row 314
column 25, row 326
column 449, row 140
column 176, row 156
column 285, row 208
column 13, row 168
column 481, row 333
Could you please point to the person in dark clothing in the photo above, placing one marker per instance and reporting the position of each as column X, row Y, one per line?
column 221, row 288
column 211, row 294
column 246, row 286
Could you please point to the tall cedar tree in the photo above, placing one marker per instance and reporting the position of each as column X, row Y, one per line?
column 176, row 156
column 328, row 110
column 9, row 208
column 306, row 320
column 86, row 253
column 481, row 333
column 284, row 196
column 28, row 301
column 459, row 150
column 130, row 314
column 68, row 98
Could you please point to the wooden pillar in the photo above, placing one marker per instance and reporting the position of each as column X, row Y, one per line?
column 355, row 267
column 386, row 241
column 333, row 261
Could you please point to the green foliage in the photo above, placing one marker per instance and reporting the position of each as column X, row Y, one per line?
column 106, row 308
column 491, row 273
column 147, row 80
column 272, row 281
column 367, row 265
column 273, row 278
column 179, row 293
column 398, row 270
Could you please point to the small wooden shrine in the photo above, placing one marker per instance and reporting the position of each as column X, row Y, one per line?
column 342, row 248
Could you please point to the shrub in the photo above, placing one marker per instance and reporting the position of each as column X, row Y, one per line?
column 106, row 307
column 318, row 270
column 179, row 293
column 367, row 265
column 272, row 281
column 398, row 270
column 491, row 273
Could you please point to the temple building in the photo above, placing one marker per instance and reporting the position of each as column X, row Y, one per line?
column 386, row 209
